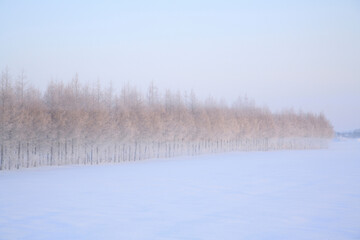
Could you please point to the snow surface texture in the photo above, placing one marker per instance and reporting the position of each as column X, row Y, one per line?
column 313, row 194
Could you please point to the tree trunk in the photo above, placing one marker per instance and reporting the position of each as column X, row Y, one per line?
column 2, row 157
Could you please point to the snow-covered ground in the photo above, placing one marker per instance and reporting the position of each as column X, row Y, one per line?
column 311, row 194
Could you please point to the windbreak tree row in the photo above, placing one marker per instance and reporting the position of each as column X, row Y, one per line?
column 75, row 124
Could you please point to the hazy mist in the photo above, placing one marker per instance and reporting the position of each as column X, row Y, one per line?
column 284, row 54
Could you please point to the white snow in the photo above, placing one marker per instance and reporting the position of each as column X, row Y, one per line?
column 311, row 194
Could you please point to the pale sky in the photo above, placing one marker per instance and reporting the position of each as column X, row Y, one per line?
column 283, row 54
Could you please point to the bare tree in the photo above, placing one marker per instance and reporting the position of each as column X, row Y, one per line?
column 75, row 124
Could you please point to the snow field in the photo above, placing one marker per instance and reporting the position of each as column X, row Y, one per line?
column 312, row 194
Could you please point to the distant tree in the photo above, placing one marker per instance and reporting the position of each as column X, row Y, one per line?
column 77, row 124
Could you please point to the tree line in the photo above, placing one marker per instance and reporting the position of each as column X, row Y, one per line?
column 77, row 124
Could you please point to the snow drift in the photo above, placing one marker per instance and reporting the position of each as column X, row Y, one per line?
column 308, row 194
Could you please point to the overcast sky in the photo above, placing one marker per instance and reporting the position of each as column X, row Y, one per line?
column 301, row 54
